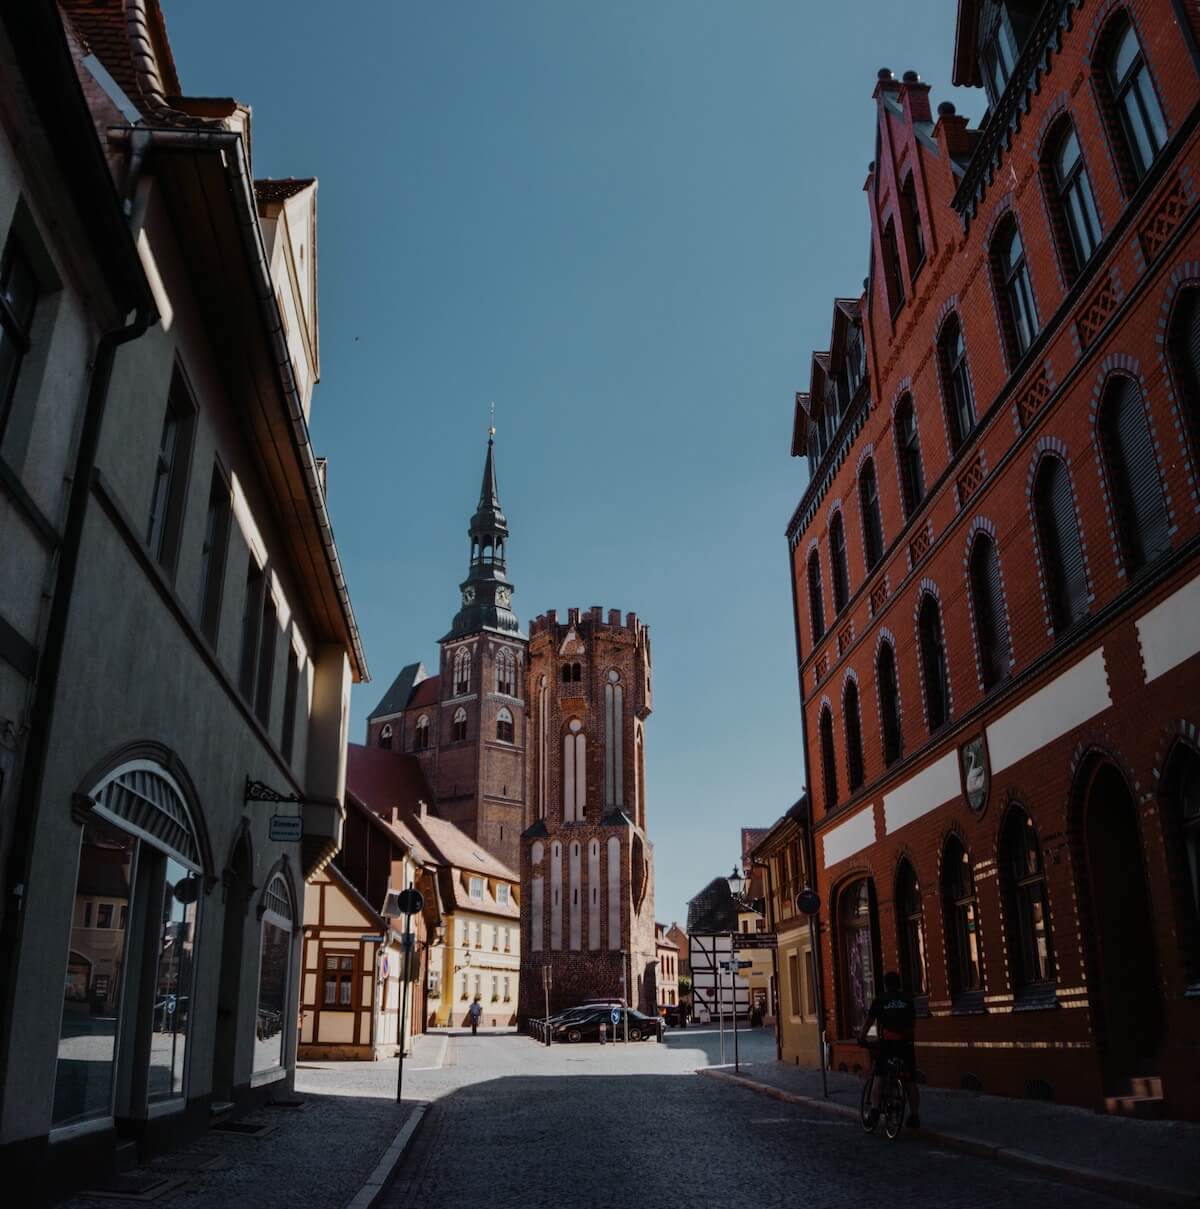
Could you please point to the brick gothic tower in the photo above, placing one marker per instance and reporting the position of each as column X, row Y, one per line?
column 587, row 872
column 466, row 725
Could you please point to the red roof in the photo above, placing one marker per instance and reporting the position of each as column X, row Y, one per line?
column 382, row 779
column 426, row 693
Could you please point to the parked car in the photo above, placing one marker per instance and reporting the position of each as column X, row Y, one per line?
column 587, row 1027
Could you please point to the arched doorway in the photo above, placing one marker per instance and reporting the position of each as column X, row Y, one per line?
column 1125, row 992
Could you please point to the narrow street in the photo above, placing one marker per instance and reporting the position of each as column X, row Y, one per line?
column 591, row 1126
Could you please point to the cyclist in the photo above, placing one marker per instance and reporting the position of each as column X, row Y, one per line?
column 896, row 1017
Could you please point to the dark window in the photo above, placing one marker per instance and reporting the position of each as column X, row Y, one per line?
column 566, row 673
column 385, row 736
column 104, row 915
column 1142, row 130
column 576, row 673
column 1181, row 783
column 1023, row 885
column 170, row 477
column 251, row 626
column 933, row 664
column 910, row 216
column 856, row 917
column 462, row 672
column 999, row 57
column 1184, row 346
column 339, row 982
column 987, row 600
column 868, row 498
column 908, row 450
column 828, row 760
column 962, row 920
column 421, row 734
column 212, row 555
column 290, row 694
column 891, row 267
column 1133, row 474
column 458, row 730
column 266, row 660
column 854, row 750
column 856, row 366
column 1018, row 314
column 18, row 298
column 816, row 599
column 889, row 703
column 1062, row 550
column 911, row 922
column 837, row 558
column 1073, row 206
column 504, row 726
column 956, row 382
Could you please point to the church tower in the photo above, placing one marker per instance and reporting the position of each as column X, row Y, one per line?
column 587, row 870
column 466, row 724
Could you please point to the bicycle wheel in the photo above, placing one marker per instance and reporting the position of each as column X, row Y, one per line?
column 866, row 1113
column 894, row 1104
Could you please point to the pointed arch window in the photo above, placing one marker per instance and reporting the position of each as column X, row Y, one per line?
column 987, row 601
column 506, row 672
column 1181, row 791
column 828, row 759
column 910, row 217
column 385, row 736
column 572, row 673
column 458, row 728
column 854, row 749
column 1014, row 290
column 614, row 739
column 816, row 596
column 1076, row 220
column 1183, row 345
column 1061, row 547
column 1132, row 471
column 889, row 703
column 1135, row 118
column 911, row 923
column 504, row 726
column 956, row 382
column 574, row 772
column 462, row 671
column 837, row 559
column 933, row 664
column 868, row 498
column 1023, row 887
column 961, row 908
column 421, row 733
column 908, row 451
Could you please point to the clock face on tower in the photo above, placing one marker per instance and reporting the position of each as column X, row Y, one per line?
column 468, row 595
column 503, row 597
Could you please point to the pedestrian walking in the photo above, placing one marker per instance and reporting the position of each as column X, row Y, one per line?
column 473, row 1013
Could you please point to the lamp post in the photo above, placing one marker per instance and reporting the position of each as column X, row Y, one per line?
column 407, row 903
column 737, row 887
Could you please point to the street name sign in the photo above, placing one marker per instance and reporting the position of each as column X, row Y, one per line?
column 287, row 828
column 754, row 940
column 373, row 937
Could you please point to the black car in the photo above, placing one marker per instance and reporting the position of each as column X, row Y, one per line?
column 587, row 1027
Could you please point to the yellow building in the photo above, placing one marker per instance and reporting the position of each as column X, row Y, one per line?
column 783, row 850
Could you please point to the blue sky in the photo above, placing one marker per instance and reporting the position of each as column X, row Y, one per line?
column 625, row 223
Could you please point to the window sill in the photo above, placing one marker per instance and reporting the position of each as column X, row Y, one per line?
column 263, row 1077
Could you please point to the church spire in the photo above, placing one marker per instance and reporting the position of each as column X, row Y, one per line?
column 487, row 591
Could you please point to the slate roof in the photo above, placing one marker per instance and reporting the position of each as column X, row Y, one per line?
column 280, row 190
column 396, row 698
column 713, row 910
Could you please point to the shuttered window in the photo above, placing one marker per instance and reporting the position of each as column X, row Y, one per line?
column 889, row 703
column 828, row 758
column 933, row 664
column 1062, row 550
column 956, row 382
column 908, row 451
column 816, row 598
column 854, row 750
column 837, row 556
column 1184, row 345
column 868, row 498
column 1132, row 470
column 987, row 600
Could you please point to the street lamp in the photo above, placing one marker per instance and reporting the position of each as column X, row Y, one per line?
column 737, row 885
column 737, row 882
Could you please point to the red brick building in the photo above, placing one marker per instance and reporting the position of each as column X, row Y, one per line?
column 466, row 724
column 995, row 566
column 587, row 871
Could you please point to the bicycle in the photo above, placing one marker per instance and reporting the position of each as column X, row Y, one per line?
column 893, row 1104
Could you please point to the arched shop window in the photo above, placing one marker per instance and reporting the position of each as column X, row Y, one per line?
column 274, row 968
column 857, row 923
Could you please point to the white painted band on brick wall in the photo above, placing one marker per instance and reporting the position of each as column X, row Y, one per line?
column 928, row 790
column 1170, row 632
column 1066, row 702
column 850, row 837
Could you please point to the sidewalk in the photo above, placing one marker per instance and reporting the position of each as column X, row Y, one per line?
column 1150, row 1162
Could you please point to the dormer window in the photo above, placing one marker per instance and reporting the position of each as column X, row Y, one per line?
column 855, row 366
column 477, row 888
column 502, row 893
column 999, row 57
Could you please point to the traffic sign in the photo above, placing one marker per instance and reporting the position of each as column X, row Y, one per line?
column 288, row 828
column 808, row 901
column 615, row 1014
column 736, row 965
column 410, row 901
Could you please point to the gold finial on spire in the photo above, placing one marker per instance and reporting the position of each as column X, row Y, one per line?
column 492, row 422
